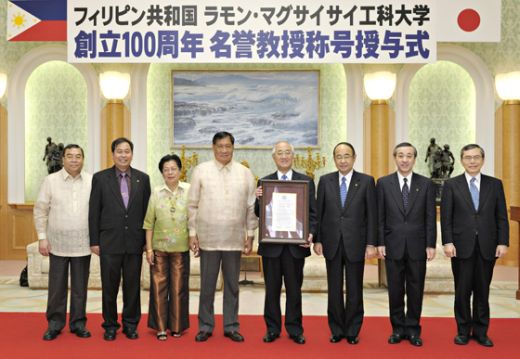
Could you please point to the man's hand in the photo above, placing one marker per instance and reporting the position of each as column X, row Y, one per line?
column 318, row 248
column 449, row 250
column 501, row 251
column 381, row 252
column 248, row 245
column 194, row 245
column 258, row 192
column 370, row 252
column 95, row 250
column 308, row 243
column 44, row 247
column 430, row 253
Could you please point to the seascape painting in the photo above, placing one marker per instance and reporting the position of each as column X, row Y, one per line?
column 258, row 107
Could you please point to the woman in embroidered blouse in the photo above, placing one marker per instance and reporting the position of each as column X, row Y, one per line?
column 167, row 251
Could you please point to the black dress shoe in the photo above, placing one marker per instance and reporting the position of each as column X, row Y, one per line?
column 415, row 340
column 352, row 340
column 297, row 338
column 51, row 334
column 81, row 333
column 395, row 338
column 270, row 337
column 483, row 340
column 131, row 333
column 461, row 339
column 234, row 336
column 336, row 338
column 202, row 336
column 109, row 335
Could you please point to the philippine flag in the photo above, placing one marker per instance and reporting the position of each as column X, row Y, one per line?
column 468, row 20
column 37, row 20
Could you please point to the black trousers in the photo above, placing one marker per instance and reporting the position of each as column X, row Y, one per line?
column 112, row 267
column 472, row 276
column 288, row 269
column 345, row 316
column 405, row 276
column 57, row 295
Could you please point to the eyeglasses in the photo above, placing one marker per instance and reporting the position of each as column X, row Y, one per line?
column 472, row 158
column 283, row 153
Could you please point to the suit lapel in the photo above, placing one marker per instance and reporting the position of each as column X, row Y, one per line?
column 135, row 183
column 396, row 192
column 485, row 190
column 414, row 192
column 464, row 189
column 115, row 187
column 334, row 184
column 352, row 189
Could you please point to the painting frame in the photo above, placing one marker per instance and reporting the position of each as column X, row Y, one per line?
column 266, row 231
column 303, row 124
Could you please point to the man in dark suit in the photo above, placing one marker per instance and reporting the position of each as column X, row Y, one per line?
column 406, row 239
column 118, row 203
column 347, row 234
column 285, row 261
column 475, row 231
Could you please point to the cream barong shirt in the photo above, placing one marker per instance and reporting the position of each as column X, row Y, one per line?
column 221, row 204
column 61, row 213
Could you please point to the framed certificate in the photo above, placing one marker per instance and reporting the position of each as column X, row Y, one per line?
column 284, row 212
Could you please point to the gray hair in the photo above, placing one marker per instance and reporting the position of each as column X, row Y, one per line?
column 277, row 143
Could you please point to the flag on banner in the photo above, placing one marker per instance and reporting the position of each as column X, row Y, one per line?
column 468, row 20
column 37, row 20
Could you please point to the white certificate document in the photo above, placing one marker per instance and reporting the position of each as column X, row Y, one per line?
column 284, row 212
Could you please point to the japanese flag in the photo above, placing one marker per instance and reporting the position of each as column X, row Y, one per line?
column 468, row 20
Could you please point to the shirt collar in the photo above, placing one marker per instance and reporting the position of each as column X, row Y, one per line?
column 288, row 174
column 401, row 178
column 469, row 177
column 220, row 166
column 65, row 175
column 179, row 189
column 128, row 172
column 348, row 176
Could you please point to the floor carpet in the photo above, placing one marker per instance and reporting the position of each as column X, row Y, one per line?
column 20, row 337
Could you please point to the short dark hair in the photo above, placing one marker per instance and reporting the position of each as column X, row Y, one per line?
column 221, row 135
column 121, row 140
column 346, row 144
column 471, row 146
column 73, row 145
column 405, row 144
column 168, row 158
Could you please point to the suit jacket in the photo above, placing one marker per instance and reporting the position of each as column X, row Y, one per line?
column 113, row 227
column 356, row 223
column 462, row 225
column 272, row 250
column 413, row 229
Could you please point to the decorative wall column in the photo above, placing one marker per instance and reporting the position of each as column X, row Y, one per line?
column 508, row 151
column 115, row 117
column 379, row 133
column 379, row 123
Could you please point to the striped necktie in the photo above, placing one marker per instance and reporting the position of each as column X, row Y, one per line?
column 474, row 192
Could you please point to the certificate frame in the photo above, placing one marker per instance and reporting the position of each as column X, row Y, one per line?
column 298, row 188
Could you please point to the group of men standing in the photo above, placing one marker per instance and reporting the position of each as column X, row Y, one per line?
column 351, row 220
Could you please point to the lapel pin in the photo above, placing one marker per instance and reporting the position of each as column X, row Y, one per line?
column 355, row 185
column 417, row 190
column 137, row 181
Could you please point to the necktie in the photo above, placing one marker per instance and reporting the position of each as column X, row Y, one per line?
column 405, row 193
column 474, row 192
column 343, row 190
column 123, row 185
column 284, row 178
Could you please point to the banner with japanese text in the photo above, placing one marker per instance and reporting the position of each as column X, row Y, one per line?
column 234, row 31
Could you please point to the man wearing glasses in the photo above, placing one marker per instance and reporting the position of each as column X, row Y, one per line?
column 347, row 234
column 475, row 232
